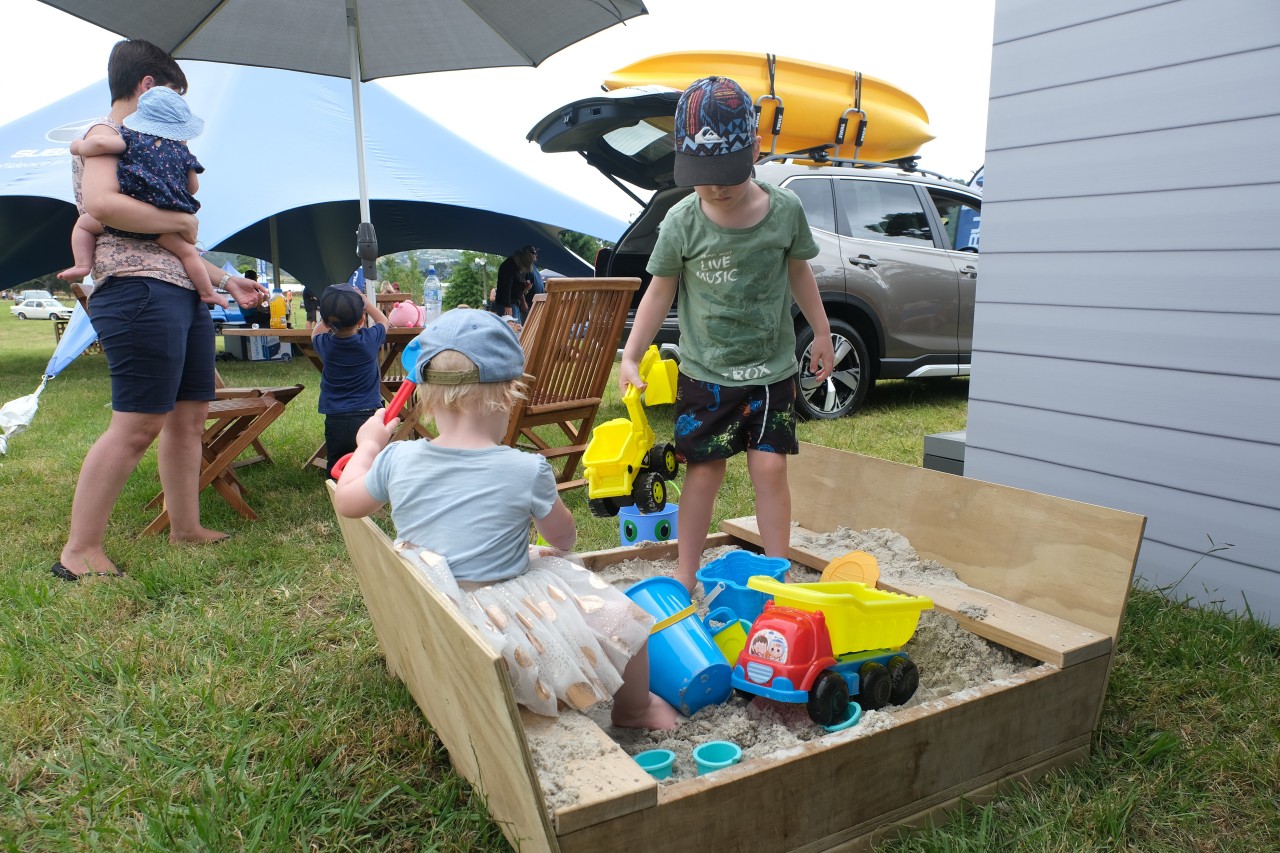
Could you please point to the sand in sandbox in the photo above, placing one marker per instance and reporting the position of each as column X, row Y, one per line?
column 950, row 659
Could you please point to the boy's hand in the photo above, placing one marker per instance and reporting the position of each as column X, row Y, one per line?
column 822, row 357
column 629, row 374
column 374, row 434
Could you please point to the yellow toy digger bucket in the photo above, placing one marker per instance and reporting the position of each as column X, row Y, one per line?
column 659, row 375
column 859, row 618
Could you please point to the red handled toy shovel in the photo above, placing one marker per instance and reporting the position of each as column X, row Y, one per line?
column 409, row 361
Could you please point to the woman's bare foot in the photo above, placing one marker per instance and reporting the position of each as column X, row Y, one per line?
column 76, row 273
column 200, row 536
column 82, row 563
column 657, row 714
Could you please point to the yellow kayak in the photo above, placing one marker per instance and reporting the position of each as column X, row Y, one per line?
column 813, row 100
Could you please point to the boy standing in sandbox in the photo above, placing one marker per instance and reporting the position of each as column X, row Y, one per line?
column 737, row 250
column 350, row 383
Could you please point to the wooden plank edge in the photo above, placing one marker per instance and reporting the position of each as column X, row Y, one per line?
column 1040, row 635
column 1075, row 751
column 597, row 560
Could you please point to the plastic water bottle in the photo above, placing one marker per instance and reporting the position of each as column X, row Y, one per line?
column 278, row 308
column 431, row 297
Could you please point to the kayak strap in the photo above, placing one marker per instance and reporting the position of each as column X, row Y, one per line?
column 776, row 130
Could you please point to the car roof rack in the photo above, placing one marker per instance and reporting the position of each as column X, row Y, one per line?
column 821, row 154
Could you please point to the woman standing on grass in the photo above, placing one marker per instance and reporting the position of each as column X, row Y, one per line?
column 155, row 332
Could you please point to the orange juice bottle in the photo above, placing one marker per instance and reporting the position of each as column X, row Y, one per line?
column 277, row 309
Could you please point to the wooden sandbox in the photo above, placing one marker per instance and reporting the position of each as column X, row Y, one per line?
column 1050, row 577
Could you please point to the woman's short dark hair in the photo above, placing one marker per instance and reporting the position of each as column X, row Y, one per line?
column 133, row 59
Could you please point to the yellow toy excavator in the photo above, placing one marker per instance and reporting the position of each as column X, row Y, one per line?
column 623, row 464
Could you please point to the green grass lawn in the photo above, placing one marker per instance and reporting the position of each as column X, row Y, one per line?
column 234, row 697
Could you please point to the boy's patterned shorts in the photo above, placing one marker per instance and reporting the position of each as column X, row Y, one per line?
column 719, row 421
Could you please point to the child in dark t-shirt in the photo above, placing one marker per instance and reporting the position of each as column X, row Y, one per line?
column 350, row 383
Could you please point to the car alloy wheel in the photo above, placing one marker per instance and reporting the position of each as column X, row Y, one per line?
column 846, row 389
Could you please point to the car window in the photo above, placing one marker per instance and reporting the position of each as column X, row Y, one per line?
column 960, row 218
column 815, row 197
column 880, row 210
column 645, row 141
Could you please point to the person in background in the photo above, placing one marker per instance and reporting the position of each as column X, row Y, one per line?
column 535, row 276
column 258, row 315
column 389, row 287
column 350, row 381
column 510, row 295
column 461, row 505
column 155, row 332
column 737, row 251
column 310, row 304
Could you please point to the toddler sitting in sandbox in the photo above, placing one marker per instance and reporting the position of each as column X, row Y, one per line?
column 461, row 505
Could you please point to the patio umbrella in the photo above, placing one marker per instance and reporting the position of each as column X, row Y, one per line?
column 360, row 39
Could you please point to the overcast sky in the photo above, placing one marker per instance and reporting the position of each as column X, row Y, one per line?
column 939, row 51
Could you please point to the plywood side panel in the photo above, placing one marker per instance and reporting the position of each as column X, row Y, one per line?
column 1072, row 560
column 1210, row 404
column 1240, row 471
column 1157, row 160
column 456, row 679
column 1190, row 31
column 1218, row 342
column 1228, row 218
column 1018, row 19
column 1207, row 281
column 1203, row 93
column 935, row 753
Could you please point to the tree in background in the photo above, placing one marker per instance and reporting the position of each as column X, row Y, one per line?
column 402, row 268
column 467, row 280
column 582, row 245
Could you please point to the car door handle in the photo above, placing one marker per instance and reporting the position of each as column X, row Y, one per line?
column 970, row 271
column 864, row 261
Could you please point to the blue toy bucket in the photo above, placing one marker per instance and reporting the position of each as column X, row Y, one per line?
column 635, row 526
column 686, row 666
column 733, row 570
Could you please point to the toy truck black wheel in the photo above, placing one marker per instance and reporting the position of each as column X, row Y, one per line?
column 875, row 686
column 828, row 699
column 602, row 507
column 650, row 492
column 662, row 459
column 904, row 678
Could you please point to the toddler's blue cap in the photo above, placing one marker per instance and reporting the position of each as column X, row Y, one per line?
column 479, row 335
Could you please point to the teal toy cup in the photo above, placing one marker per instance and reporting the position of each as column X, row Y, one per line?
column 656, row 762
column 636, row 526
column 733, row 570
column 686, row 667
column 716, row 755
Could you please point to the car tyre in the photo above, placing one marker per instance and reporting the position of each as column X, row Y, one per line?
column 649, row 492
column 847, row 387
column 21, row 316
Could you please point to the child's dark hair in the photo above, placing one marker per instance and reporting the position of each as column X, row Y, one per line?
column 133, row 59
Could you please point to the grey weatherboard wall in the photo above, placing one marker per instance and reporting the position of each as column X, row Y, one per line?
column 1127, row 329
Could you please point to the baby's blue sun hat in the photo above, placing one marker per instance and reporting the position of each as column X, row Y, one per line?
column 479, row 335
column 164, row 113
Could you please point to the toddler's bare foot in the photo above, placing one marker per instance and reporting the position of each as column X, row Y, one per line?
column 214, row 298
column 76, row 273
column 658, row 714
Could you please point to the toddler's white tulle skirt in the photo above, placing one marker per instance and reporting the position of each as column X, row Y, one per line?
column 565, row 634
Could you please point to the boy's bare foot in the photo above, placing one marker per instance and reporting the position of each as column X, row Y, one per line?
column 76, row 273
column 201, row 536
column 214, row 298
column 657, row 715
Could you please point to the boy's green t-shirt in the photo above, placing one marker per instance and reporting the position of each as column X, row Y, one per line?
column 735, row 293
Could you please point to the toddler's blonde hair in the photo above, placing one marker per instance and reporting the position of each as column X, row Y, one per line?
column 470, row 397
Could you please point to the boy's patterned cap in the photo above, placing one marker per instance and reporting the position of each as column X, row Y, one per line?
column 341, row 306
column 715, row 134
column 164, row 113
column 479, row 335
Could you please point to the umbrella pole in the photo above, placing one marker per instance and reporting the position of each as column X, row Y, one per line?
column 366, row 237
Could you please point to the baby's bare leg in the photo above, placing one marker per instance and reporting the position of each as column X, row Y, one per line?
column 634, row 706
column 83, row 237
column 194, row 266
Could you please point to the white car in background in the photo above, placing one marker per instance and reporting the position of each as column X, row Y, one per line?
column 40, row 309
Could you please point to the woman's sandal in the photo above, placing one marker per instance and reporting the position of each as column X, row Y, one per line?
column 61, row 572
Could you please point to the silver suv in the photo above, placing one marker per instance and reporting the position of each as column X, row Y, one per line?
column 898, row 247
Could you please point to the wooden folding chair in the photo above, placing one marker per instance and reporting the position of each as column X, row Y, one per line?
column 283, row 393
column 234, row 423
column 570, row 342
